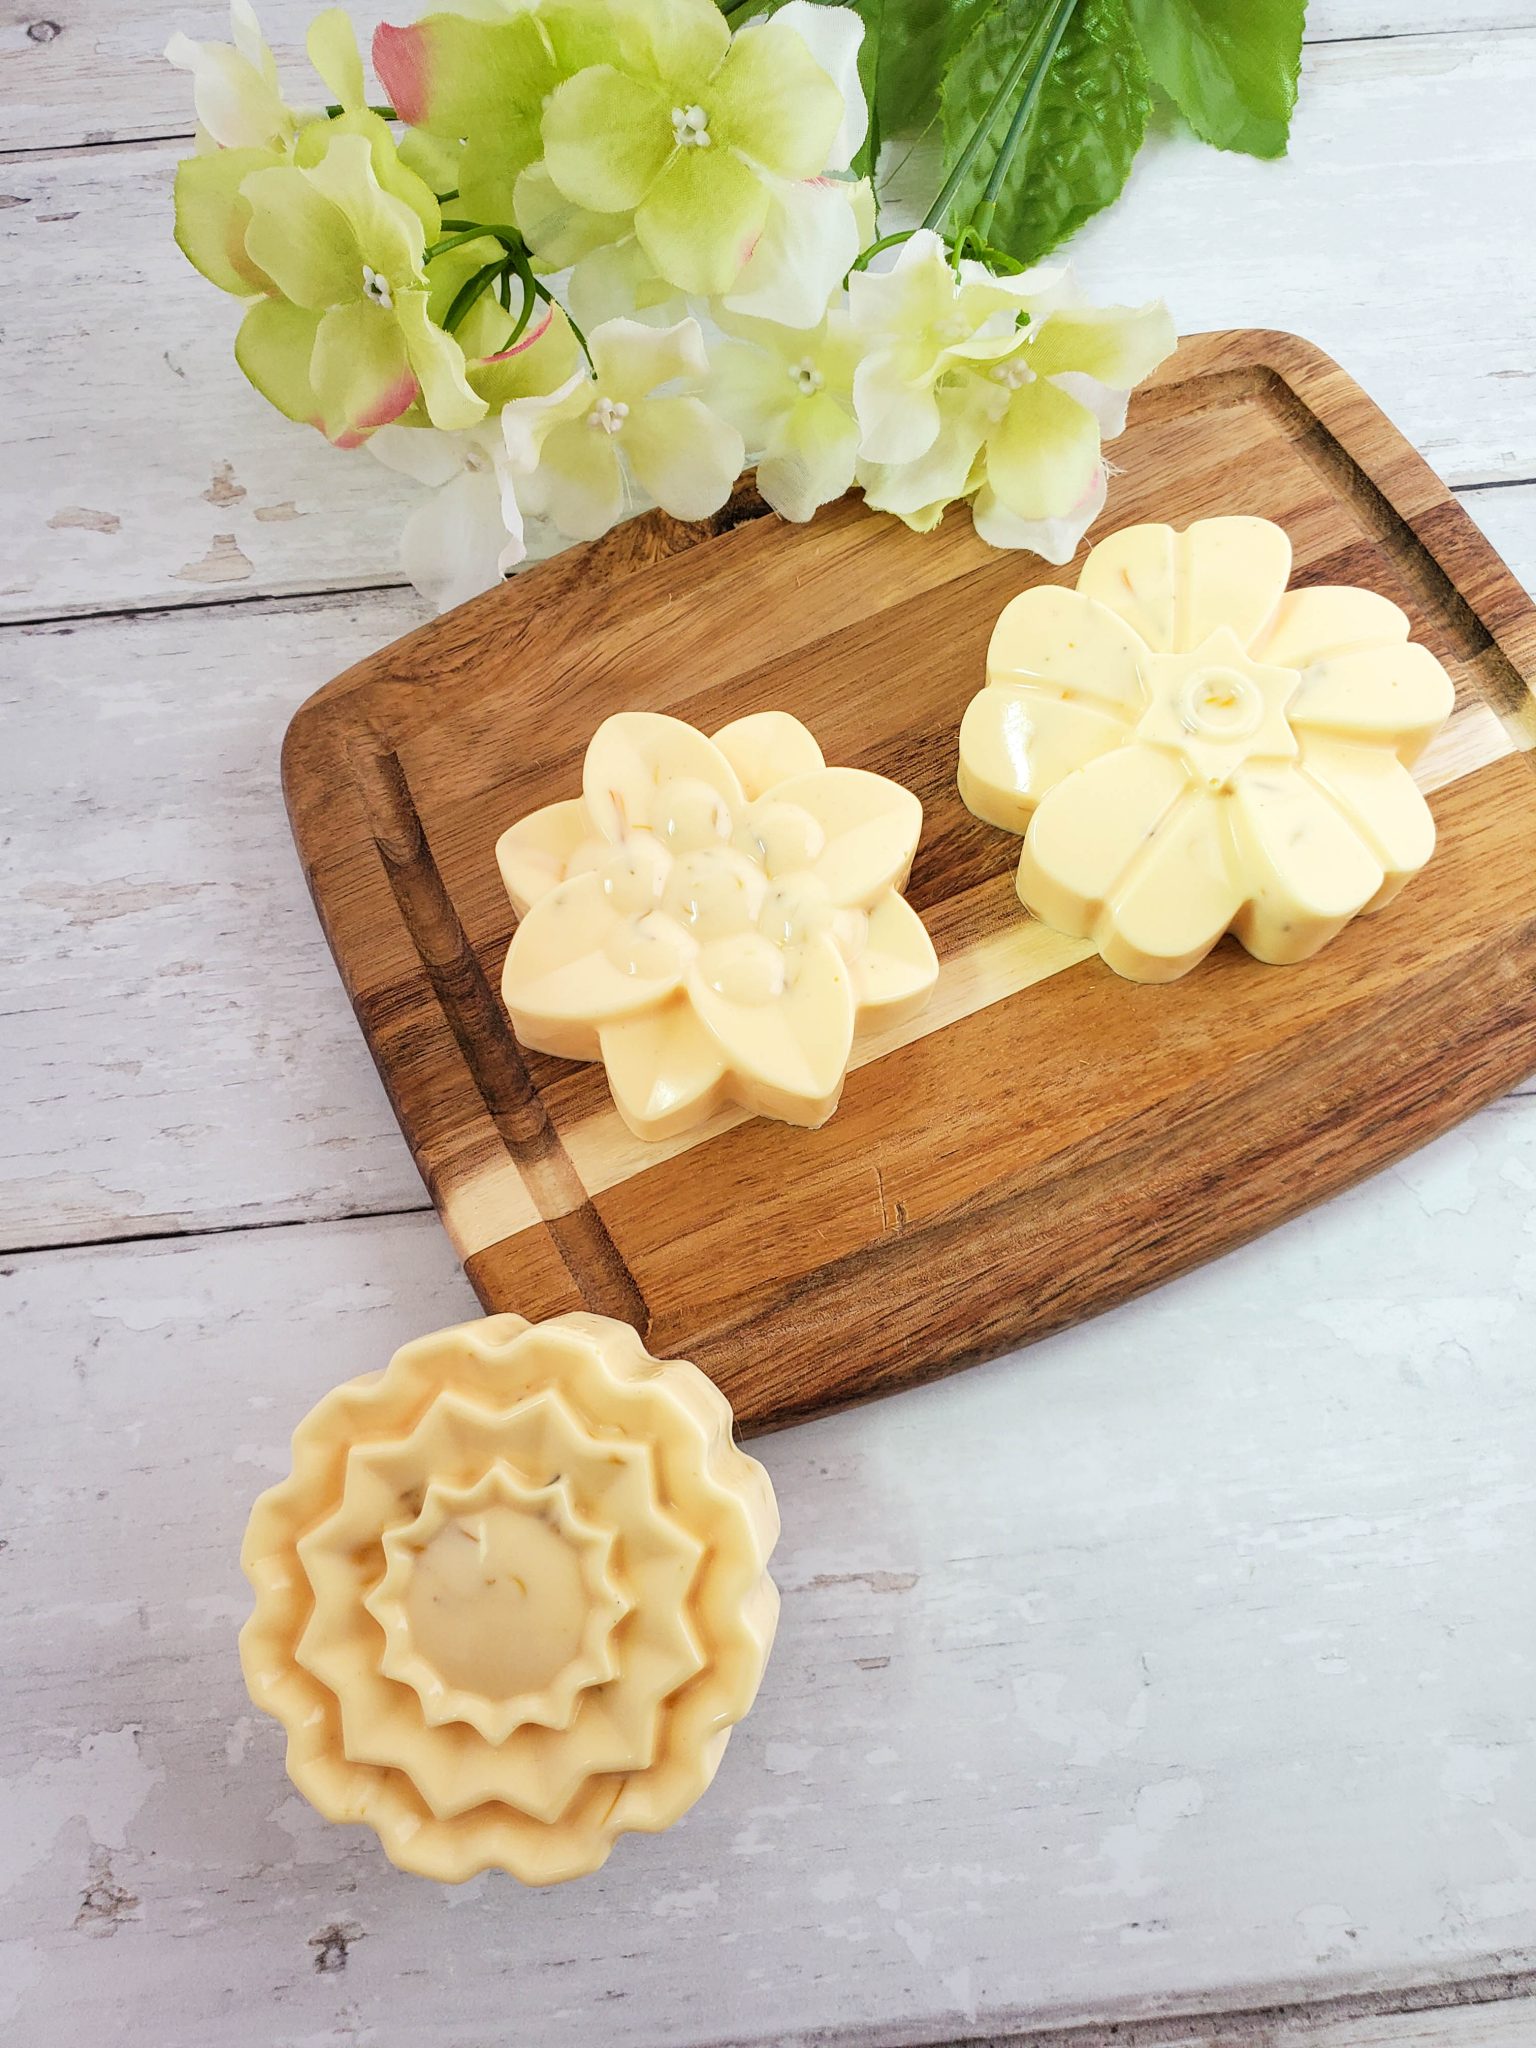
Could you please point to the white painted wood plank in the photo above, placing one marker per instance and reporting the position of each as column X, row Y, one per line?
column 180, row 1050
column 145, row 472
column 76, row 71
column 1185, row 1663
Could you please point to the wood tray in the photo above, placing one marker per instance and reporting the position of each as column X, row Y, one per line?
column 1007, row 1163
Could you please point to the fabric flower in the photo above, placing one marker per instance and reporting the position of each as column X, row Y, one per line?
column 687, row 132
column 790, row 393
column 580, row 446
column 713, row 918
column 350, row 343
column 235, row 89
column 1189, row 749
column 1021, row 412
column 512, row 1597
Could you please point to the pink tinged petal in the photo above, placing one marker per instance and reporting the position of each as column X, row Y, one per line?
column 810, row 236
column 1178, row 898
column 785, row 1056
column 361, row 373
column 1380, row 798
column 1396, row 697
column 896, row 970
column 1053, row 540
column 633, row 754
column 698, row 222
column 1308, row 868
column 666, row 1072
column 766, row 748
column 1326, row 620
column 1089, row 829
column 401, row 60
column 1042, row 455
column 1017, row 742
column 532, row 854
column 576, row 963
column 1071, row 644
column 868, row 827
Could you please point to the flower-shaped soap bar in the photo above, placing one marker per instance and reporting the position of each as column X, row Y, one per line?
column 712, row 918
column 513, row 1596
column 1189, row 749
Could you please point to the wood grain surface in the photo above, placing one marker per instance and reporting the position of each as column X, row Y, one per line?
column 1008, row 1164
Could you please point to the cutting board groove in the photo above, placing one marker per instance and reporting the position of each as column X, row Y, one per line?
column 1046, row 1140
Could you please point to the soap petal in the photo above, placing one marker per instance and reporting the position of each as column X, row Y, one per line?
column 633, row 753
column 1232, row 572
column 871, row 826
column 1326, row 620
column 897, row 969
column 1088, row 830
column 768, row 747
column 1077, row 646
column 1131, row 573
column 1396, row 697
column 1308, row 869
column 575, row 963
column 532, row 854
column 1381, row 800
column 1178, row 898
column 664, row 1069
column 1017, row 742
column 787, row 1057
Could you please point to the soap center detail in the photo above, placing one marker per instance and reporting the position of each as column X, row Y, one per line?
column 1217, row 709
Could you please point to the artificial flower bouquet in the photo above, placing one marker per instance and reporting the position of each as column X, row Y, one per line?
column 593, row 255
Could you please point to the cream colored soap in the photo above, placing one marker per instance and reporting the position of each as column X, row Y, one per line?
column 513, row 1596
column 1189, row 749
column 714, row 919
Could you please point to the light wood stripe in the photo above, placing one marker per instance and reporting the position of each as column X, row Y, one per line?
column 492, row 1203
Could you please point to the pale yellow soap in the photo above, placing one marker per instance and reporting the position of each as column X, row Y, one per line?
column 1189, row 749
column 513, row 1596
column 714, row 919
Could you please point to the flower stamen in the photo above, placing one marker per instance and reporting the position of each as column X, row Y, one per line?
column 376, row 288
column 608, row 416
column 690, row 128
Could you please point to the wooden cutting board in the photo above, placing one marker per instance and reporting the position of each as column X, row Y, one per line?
column 1046, row 1139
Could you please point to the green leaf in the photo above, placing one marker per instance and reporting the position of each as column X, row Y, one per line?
column 1087, row 126
column 1230, row 66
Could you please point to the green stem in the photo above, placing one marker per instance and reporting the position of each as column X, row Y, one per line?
column 468, row 292
column 981, row 219
column 939, row 210
column 386, row 113
column 866, row 256
column 457, row 241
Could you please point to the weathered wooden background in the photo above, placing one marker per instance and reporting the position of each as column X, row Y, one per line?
column 1175, row 1683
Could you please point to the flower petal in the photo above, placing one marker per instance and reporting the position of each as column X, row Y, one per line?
column 579, row 480
column 773, row 101
column 810, row 459
column 388, row 231
column 630, row 359
column 556, row 229
column 869, row 827
column 1087, row 831
column 532, row 854
column 1053, row 540
column 236, row 101
column 633, row 753
column 361, row 372
column 750, row 387
column 1381, row 800
column 1397, row 696
column 332, row 48
column 1178, row 898
column 786, row 1057
column 275, row 347
column 606, row 138
column 894, row 401
column 437, row 362
column 212, row 215
column 1117, row 345
column 896, row 970
column 1017, row 742
column 300, row 239
column 943, row 470
column 575, row 964
column 700, row 221
column 766, row 748
column 1312, row 869
column 1068, row 641
column 664, row 1070
column 617, row 282
column 1042, row 456
column 684, row 455
column 1326, row 620
column 458, row 541
column 810, row 236
column 833, row 35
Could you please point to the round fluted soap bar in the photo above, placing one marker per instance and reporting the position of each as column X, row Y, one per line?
column 513, row 1596
column 714, row 919
column 1189, row 748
